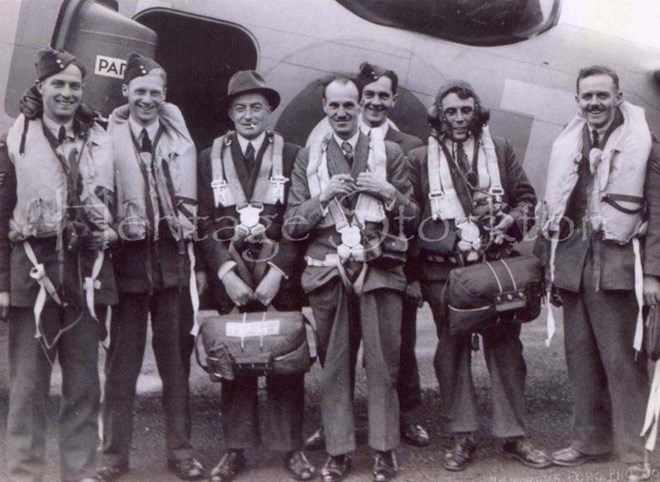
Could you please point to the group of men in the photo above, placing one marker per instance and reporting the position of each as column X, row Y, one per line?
column 126, row 224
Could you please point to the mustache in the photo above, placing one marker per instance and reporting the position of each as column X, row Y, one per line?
column 595, row 108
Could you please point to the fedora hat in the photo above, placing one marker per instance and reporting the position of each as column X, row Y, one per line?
column 246, row 82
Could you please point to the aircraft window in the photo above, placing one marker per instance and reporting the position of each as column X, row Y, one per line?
column 474, row 22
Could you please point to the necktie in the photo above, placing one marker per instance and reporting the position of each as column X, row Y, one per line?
column 249, row 157
column 462, row 158
column 347, row 149
column 146, row 142
column 595, row 139
column 61, row 135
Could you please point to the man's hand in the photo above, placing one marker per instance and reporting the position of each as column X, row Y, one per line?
column 200, row 279
column 651, row 290
column 4, row 305
column 268, row 287
column 239, row 293
column 102, row 240
column 498, row 232
column 339, row 185
column 370, row 184
column 414, row 293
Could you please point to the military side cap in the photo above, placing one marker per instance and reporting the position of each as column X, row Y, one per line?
column 246, row 82
column 371, row 73
column 137, row 66
column 51, row 61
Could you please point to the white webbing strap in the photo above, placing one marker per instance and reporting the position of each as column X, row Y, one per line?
column 445, row 204
column 551, row 323
column 495, row 188
column 46, row 287
column 650, row 429
column 639, row 294
column 269, row 189
column 92, row 283
column 194, row 294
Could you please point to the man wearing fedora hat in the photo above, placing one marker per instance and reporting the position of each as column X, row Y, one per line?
column 156, row 169
column 243, row 182
column 56, row 224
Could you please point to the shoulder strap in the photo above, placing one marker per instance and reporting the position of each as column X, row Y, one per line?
column 443, row 197
column 227, row 190
column 270, row 181
column 492, row 165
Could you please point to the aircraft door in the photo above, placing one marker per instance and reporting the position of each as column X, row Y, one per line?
column 95, row 32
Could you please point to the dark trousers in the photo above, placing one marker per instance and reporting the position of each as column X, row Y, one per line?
column 281, row 427
column 340, row 317
column 408, row 385
column 171, row 321
column 503, row 352
column 609, row 386
column 30, row 369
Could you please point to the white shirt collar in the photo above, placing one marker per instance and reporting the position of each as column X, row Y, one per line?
column 54, row 127
column 468, row 145
column 256, row 142
column 601, row 132
column 352, row 141
column 376, row 132
column 136, row 128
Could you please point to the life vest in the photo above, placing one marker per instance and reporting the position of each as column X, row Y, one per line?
column 443, row 198
column 615, row 207
column 171, row 187
column 616, row 204
column 42, row 182
column 367, row 207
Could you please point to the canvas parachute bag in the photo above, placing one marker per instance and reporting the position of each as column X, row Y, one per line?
column 261, row 343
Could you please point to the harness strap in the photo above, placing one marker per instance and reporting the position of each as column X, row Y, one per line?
column 639, row 290
column 652, row 418
column 194, row 294
column 550, row 322
column 333, row 260
column 46, row 287
column 92, row 283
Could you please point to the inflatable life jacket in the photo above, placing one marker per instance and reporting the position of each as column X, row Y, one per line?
column 42, row 181
column 166, row 181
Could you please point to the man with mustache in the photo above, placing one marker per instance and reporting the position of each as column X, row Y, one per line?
column 243, row 184
column 476, row 201
column 379, row 96
column 56, row 189
column 157, row 202
column 348, row 193
column 603, row 171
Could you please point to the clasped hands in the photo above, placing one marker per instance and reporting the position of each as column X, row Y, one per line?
column 343, row 185
column 241, row 294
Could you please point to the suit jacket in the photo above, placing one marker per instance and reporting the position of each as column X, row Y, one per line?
column 407, row 142
column 305, row 212
column 611, row 265
column 7, row 203
column 216, row 223
column 440, row 238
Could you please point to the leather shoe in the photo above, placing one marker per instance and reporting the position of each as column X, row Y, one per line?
column 414, row 434
column 385, row 466
column 523, row 451
column 460, row 455
column 186, row 469
column 335, row 468
column 298, row 467
column 316, row 441
column 110, row 472
column 229, row 466
column 638, row 472
column 569, row 457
